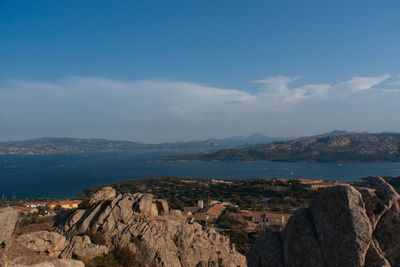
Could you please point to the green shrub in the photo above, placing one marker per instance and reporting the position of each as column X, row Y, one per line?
column 84, row 204
column 95, row 237
column 118, row 258
column 106, row 261
column 126, row 258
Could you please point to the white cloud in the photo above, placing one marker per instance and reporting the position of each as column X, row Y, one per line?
column 160, row 110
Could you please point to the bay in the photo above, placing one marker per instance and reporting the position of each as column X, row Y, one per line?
column 64, row 175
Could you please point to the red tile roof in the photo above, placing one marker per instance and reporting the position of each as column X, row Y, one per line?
column 23, row 209
column 216, row 210
column 258, row 214
column 191, row 209
column 201, row 217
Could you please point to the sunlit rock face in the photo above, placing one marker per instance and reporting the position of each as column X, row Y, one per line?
column 344, row 226
column 157, row 236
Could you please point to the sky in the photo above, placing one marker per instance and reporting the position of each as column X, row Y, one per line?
column 162, row 71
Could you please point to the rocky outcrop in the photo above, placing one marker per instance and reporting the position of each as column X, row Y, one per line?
column 54, row 263
column 82, row 248
column 107, row 193
column 44, row 242
column 145, row 225
column 344, row 226
column 8, row 219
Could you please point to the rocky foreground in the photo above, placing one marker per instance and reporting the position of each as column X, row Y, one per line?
column 156, row 235
column 344, row 226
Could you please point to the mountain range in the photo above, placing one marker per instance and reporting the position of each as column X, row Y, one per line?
column 54, row 145
column 351, row 147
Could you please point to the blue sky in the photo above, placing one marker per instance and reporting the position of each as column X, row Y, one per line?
column 181, row 70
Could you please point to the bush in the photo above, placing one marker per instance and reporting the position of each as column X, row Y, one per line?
column 96, row 237
column 84, row 204
column 58, row 209
column 126, row 258
column 118, row 258
column 107, row 261
column 227, row 221
column 31, row 219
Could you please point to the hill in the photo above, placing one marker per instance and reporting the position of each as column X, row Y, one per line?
column 54, row 145
column 383, row 147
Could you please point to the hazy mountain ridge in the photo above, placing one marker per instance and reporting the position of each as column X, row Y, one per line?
column 335, row 148
column 55, row 145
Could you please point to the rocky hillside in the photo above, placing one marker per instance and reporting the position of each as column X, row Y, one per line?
column 138, row 223
column 344, row 226
column 54, row 145
column 342, row 148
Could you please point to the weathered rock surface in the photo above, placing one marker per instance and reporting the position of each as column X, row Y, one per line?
column 344, row 226
column 144, row 225
column 44, row 242
column 54, row 263
column 82, row 248
column 8, row 218
column 107, row 193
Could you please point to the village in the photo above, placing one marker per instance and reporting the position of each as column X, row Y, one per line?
column 239, row 209
column 204, row 212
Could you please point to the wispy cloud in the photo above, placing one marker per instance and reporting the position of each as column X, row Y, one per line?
column 396, row 83
column 149, row 109
column 278, row 89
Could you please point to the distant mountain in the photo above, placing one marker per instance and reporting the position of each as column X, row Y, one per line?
column 53, row 145
column 331, row 148
column 256, row 138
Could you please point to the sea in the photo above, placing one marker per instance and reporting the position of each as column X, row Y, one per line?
column 64, row 175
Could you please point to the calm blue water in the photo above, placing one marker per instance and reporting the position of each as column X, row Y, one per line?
column 26, row 176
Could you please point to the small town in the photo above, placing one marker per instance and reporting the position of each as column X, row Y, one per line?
column 241, row 216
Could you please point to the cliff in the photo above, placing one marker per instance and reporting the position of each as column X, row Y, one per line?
column 344, row 226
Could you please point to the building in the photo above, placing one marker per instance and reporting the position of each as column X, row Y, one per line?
column 25, row 210
column 201, row 217
column 65, row 204
column 190, row 210
column 200, row 204
column 215, row 211
column 271, row 219
column 217, row 181
column 316, row 184
column 35, row 204
column 224, row 203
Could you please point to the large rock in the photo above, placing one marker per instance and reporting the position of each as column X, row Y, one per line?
column 144, row 224
column 106, row 193
column 8, row 218
column 344, row 226
column 54, row 263
column 82, row 248
column 44, row 242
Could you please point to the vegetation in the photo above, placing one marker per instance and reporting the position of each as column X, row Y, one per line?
column 118, row 258
column 247, row 194
column 242, row 239
column 228, row 221
column 96, row 237
column 30, row 219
